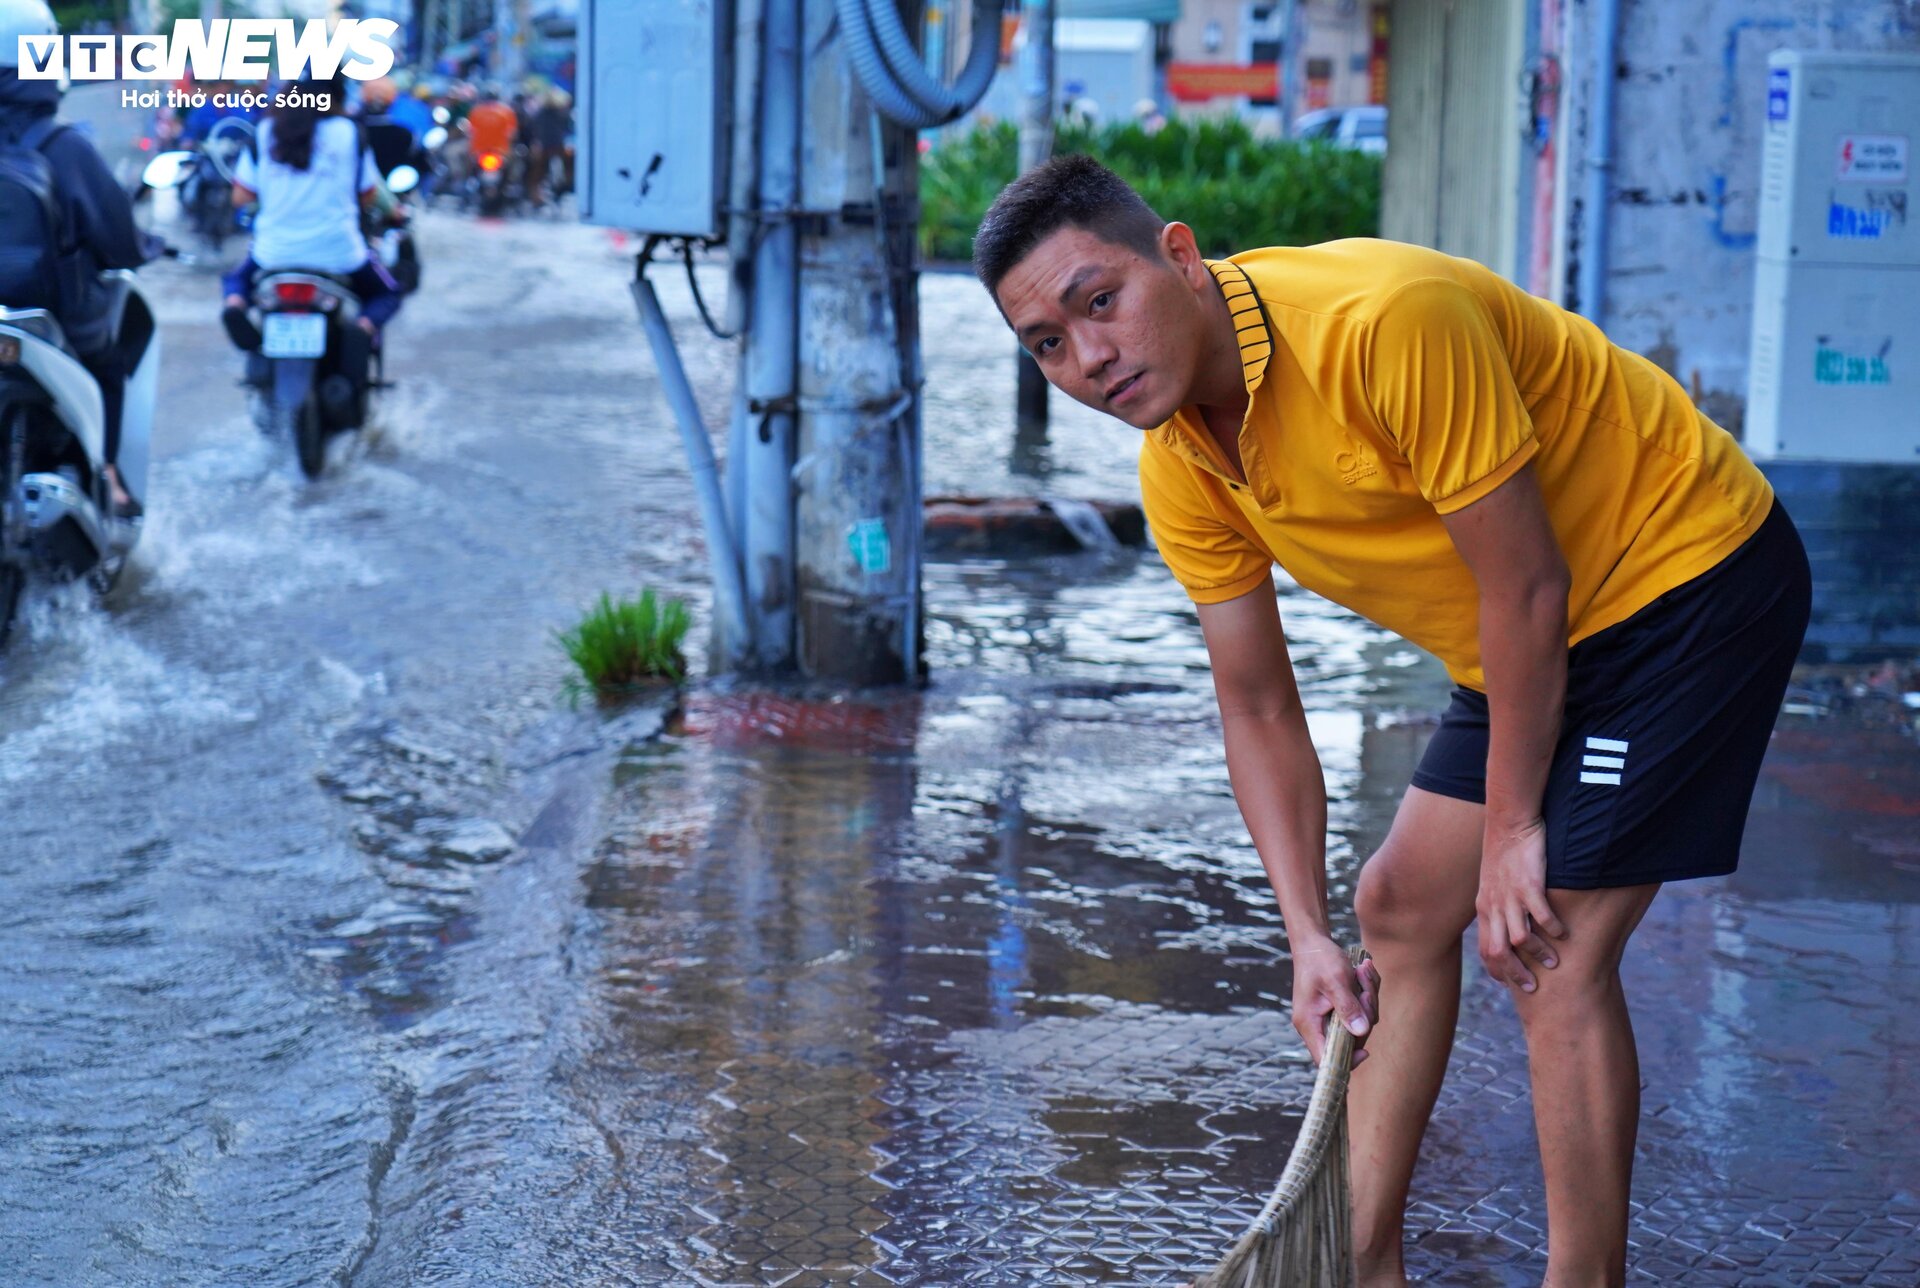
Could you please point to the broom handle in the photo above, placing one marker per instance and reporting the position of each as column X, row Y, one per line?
column 1326, row 1111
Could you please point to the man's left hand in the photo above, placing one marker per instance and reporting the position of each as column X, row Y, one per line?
column 1515, row 917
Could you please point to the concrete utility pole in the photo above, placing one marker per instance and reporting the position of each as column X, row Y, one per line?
column 770, row 361
column 1036, row 145
column 510, row 43
column 856, row 472
column 1292, row 66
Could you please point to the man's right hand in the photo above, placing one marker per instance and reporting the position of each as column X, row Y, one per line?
column 1324, row 984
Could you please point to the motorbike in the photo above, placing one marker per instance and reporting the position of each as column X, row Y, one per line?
column 496, row 180
column 57, row 519
column 206, row 187
column 311, row 377
column 436, row 146
column 314, row 371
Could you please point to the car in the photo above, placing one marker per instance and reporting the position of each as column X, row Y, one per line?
column 1363, row 129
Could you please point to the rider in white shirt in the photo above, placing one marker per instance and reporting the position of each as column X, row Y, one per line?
column 312, row 176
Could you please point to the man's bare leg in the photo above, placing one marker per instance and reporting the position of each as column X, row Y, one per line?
column 1586, row 1085
column 1415, row 900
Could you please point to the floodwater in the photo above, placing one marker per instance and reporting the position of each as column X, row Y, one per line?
column 339, row 949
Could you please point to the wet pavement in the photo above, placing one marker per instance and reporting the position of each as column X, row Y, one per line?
column 342, row 950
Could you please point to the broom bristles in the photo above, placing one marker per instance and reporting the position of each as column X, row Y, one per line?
column 1303, row 1237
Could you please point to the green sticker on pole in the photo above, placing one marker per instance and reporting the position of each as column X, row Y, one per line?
column 871, row 549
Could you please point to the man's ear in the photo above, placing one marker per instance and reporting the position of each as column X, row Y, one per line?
column 1183, row 252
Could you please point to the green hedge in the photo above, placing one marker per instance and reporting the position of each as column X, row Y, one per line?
column 1235, row 190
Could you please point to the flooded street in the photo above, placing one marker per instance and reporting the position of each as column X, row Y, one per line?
column 340, row 949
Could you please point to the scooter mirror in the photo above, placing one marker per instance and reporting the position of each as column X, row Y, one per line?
column 403, row 178
column 433, row 138
column 166, row 170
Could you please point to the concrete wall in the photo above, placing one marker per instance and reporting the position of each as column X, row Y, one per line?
column 1339, row 31
column 1689, row 122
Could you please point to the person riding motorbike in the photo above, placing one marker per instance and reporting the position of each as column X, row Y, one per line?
column 312, row 177
column 218, row 105
column 97, row 221
column 552, row 159
column 414, row 109
column 492, row 127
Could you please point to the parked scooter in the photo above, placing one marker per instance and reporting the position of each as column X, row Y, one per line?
column 57, row 518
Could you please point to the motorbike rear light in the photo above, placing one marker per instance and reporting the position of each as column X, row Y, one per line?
column 295, row 292
column 489, row 160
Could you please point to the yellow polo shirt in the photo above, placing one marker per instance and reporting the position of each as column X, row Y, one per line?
column 1389, row 385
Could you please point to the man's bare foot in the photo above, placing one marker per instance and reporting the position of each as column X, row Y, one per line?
column 1379, row 1274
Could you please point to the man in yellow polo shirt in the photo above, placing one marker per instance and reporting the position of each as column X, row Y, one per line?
column 1607, row 578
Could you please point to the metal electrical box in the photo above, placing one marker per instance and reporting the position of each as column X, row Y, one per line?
column 653, row 80
column 1834, row 369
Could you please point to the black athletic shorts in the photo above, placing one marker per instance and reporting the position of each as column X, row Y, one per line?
column 1667, row 719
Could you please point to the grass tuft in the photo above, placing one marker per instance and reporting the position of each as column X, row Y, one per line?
column 623, row 645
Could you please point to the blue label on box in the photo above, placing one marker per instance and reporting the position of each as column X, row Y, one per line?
column 1779, row 92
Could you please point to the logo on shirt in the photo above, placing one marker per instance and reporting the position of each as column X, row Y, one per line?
column 1604, row 762
column 1356, row 462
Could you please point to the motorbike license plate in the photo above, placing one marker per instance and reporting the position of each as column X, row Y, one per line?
column 294, row 335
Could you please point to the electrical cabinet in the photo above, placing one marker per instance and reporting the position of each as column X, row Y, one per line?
column 653, row 80
column 1834, row 369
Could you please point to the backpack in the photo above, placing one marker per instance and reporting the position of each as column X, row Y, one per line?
column 33, row 235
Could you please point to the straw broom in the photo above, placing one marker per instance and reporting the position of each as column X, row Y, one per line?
column 1303, row 1237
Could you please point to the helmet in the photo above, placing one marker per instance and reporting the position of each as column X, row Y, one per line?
column 22, row 18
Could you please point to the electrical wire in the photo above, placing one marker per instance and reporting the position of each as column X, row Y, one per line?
column 699, row 301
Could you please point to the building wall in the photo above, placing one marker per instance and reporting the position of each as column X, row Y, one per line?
column 1689, row 121
column 1336, row 31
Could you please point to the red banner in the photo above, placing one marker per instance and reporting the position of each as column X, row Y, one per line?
column 1377, row 56
column 1198, row 82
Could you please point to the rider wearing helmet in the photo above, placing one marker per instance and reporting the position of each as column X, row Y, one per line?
column 414, row 110
column 96, row 217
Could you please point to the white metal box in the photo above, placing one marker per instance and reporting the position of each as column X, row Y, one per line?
column 1834, row 368
column 1838, row 174
column 652, row 114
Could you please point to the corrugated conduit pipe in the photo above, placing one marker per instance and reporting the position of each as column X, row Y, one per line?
column 891, row 72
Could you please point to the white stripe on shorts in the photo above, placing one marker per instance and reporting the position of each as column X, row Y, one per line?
column 1590, row 777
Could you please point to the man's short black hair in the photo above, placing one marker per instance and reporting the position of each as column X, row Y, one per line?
column 1068, row 191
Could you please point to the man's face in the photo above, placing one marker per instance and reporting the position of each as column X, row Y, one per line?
column 1110, row 328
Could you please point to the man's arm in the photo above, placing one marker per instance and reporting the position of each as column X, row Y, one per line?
column 1509, row 544
column 1283, row 798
